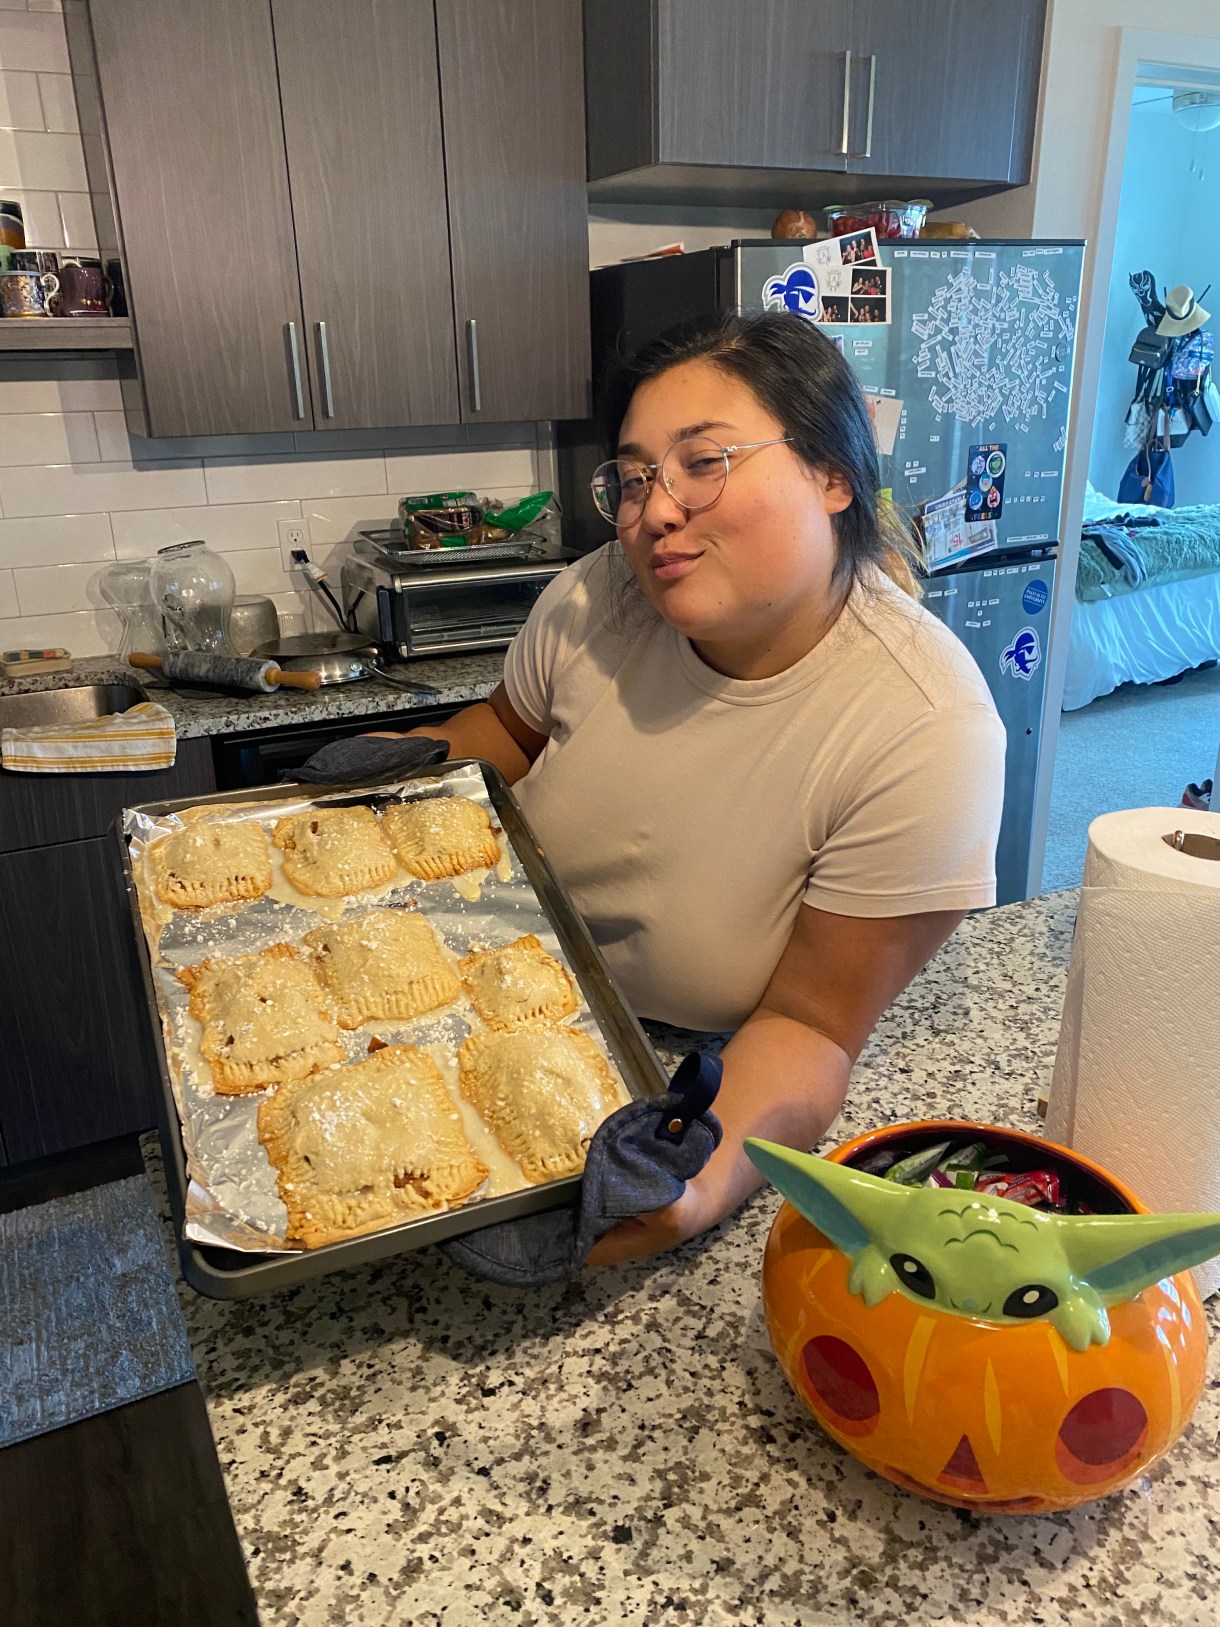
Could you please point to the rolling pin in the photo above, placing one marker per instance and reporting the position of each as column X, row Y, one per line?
column 198, row 667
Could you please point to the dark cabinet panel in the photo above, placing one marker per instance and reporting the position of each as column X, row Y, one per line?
column 38, row 809
column 944, row 88
column 763, row 85
column 514, row 158
column 73, row 1064
column 192, row 116
column 362, row 121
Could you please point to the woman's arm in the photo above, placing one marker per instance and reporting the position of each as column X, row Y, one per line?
column 489, row 729
column 786, row 1069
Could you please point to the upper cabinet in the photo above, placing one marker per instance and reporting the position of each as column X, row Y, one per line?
column 342, row 216
column 808, row 101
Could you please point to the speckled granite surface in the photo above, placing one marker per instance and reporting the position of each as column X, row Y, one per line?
column 403, row 1445
column 456, row 678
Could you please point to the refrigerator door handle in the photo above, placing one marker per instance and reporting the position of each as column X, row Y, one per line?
column 845, row 139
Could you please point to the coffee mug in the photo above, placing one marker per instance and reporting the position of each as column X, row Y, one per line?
column 84, row 289
column 39, row 260
column 27, row 293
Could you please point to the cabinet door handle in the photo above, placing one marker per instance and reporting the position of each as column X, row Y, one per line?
column 868, row 122
column 294, row 357
column 844, row 140
column 472, row 356
column 328, row 399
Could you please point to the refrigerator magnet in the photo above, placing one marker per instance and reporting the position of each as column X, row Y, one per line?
column 985, row 481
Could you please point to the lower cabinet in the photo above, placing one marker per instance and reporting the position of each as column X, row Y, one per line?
column 73, row 1059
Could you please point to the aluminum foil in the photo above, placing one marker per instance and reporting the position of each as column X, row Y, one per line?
column 232, row 1201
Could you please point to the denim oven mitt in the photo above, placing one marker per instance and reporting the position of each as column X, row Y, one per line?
column 361, row 760
column 640, row 1159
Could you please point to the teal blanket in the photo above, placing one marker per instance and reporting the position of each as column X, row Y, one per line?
column 1185, row 544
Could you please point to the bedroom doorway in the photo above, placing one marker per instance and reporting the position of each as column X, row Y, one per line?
column 1141, row 702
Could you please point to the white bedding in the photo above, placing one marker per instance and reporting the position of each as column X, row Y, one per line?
column 1143, row 636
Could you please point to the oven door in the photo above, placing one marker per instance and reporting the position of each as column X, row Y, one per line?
column 467, row 610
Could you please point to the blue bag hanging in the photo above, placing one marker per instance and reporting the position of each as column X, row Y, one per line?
column 1148, row 478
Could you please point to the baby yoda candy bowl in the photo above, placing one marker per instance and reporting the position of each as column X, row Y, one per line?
column 981, row 1353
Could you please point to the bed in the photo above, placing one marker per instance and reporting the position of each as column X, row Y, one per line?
column 1167, row 624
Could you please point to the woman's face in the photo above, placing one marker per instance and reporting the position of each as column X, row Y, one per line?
column 752, row 573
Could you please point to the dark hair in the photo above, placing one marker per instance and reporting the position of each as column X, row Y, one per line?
column 801, row 378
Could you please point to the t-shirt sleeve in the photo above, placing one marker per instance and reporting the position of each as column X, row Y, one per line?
column 540, row 650
column 918, row 830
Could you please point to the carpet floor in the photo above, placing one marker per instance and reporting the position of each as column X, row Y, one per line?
column 91, row 1319
column 1136, row 748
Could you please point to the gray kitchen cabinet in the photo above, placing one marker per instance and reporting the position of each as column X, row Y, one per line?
column 807, row 102
column 514, row 153
column 75, row 1064
column 981, row 63
column 367, row 174
column 200, row 194
column 341, row 216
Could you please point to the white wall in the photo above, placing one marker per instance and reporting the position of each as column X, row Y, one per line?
column 1169, row 224
column 76, row 491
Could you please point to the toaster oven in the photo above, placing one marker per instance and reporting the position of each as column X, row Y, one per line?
column 442, row 603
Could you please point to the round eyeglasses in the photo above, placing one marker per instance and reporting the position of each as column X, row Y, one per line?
column 693, row 472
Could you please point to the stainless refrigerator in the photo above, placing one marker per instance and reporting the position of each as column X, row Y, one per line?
column 976, row 341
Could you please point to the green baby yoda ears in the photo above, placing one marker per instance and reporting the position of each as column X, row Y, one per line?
column 985, row 1257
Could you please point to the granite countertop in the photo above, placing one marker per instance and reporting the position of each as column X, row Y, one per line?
column 402, row 1444
column 456, row 678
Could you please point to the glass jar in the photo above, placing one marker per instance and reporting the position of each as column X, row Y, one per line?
column 126, row 589
column 193, row 588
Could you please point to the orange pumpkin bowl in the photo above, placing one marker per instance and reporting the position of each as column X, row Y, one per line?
column 997, row 1418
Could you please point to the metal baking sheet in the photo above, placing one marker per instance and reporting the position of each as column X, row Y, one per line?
column 230, row 1216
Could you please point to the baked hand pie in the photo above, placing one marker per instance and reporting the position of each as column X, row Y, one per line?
column 543, row 1092
column 330, row 852
column 386, row 964
column 211, row 861
column 367, row 1146
column 518, row 984
column 441, row 836
column 265, row 1020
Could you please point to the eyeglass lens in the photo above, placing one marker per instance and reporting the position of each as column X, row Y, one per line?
column 693, row 472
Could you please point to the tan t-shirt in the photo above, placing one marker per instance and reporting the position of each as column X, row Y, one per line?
column 690, row 814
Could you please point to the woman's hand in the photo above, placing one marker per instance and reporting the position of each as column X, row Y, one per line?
column 656, row 1231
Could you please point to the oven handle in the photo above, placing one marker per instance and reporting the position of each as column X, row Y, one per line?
column 427, row 646
column 480, row 578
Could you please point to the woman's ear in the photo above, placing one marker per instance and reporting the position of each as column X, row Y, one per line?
column 836, row 491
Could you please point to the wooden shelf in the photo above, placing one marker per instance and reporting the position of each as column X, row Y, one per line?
column 26, row 333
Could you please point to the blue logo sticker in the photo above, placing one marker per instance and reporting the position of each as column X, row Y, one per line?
column 1035, row 596
column 796, row 289
column 1023, row 656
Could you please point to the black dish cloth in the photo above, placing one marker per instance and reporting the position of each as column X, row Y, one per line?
column 640, row 1159
column 362, row 760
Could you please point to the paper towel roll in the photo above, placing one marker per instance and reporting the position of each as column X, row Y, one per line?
column 1136, row 1085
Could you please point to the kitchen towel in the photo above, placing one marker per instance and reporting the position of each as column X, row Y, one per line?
column 639, row 1160
column 1136, row 1085
column 142, row 738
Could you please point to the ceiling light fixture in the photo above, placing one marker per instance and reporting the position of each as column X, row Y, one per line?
column 1198, row 110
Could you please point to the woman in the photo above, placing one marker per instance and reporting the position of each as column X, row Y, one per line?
column 770, row 780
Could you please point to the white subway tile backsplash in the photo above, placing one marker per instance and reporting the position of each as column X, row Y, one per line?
column 33, row 43
column 229, row 528
column 76, row 222
column 48, row 590
column 45, row 5
column 477, row 469
column 260, row 570
column 56, row 539
column 335, row 520
column 8, row 595
column 118, row 443
column 47, row 437
column 20, row 106
column 44, row 227
column 94, row 488
column 231, row 480
column 32, row 384
column 80, row 632
column 13, row 5
column 42, row 160
column 58, row 101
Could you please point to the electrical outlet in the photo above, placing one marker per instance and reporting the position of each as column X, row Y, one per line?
column 293, row 534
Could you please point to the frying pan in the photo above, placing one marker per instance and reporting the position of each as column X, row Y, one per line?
column 336, row 658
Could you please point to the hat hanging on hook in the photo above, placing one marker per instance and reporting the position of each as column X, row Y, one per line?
column 1183, row 313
